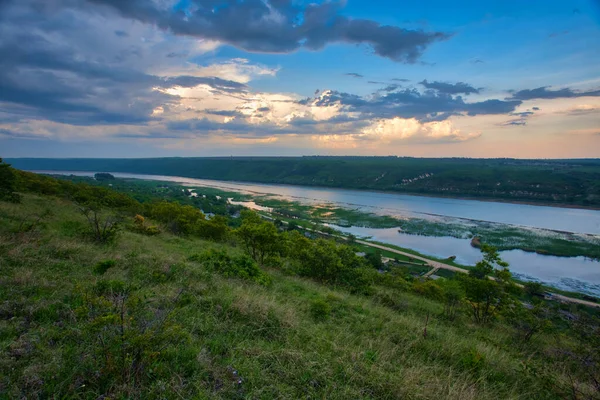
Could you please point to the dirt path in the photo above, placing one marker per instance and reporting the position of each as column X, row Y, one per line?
column 439, row 265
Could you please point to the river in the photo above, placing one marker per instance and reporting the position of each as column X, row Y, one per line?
column 568, row 273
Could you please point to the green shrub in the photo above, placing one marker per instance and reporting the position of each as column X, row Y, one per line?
column 390, row 300
column 320, row 310
column 139, row 226
column 101, row 267
column 241, row 266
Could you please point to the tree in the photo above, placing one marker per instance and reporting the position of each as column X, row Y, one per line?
column 528, row 322
column 214, row 229
column 375, row 260
column 488, row 296
column 104, row 176
column 259, row 238
column 453, row 295
column 179, row 219
column 103, row 226
column 8, row 183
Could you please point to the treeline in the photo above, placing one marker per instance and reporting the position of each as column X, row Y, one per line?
column 565, row 182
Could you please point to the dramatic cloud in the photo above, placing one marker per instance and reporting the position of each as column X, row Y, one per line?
column 81, row 70
column 410, row 103
column 87, row 73
column 396, row 130
column 545, row 93
column 277, row 26
column 450, row 88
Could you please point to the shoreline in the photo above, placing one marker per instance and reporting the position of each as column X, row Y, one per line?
column 439, row 196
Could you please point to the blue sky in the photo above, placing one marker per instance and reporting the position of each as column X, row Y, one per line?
column 104, row 78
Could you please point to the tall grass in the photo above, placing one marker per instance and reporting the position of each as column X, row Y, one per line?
column 180, row 330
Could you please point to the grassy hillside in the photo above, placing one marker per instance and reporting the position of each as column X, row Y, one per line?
column 561, row 182
column 159, row 315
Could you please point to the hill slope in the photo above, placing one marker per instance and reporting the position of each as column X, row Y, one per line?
column 156, row 325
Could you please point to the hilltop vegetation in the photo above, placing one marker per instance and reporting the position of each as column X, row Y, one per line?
column 169, row 304
column 560, row 182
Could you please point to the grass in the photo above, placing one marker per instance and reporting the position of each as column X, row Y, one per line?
column 227, row 338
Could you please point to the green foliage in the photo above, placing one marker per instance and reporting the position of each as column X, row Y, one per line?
column 140, row 226
column 122, row 343
column 259, row 238
column 8, row 183
column 453, row 295
column 320, row 309
column 215, row 229
column 103, row 226
column 101, row 267
column 534, row 288
column 242, row 266
column 374, row 259
column 162, row 327
column 428, row 288
column 473, row 360
column 488, row 296
column 528, row 322
column 180, row 220
column 327, row 262
column 547, row 181
column 104, row 176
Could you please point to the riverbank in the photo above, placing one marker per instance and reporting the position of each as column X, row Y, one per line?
column 502, row 236
column 557, row 183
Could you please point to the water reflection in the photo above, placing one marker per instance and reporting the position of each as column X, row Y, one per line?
column 569, row 273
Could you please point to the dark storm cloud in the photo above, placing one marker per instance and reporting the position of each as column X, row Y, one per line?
column 43, row 78
column 450, row 88
column 279, row 26
column 427, row 106
column 354, row 75
column 545, row 93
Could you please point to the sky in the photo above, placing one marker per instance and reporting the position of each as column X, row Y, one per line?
column 433, row 78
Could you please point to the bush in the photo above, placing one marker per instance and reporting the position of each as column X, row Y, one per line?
column 534, row 288
column 320, row 309
column 139, row 226
column 8, row 181
column 390, row 300
column 242, row 266
column 429, row 289
column 103, row 266
column 102, row 228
